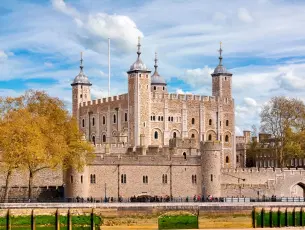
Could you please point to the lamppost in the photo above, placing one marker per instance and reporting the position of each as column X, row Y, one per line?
column 238, row 180
column 105, row 192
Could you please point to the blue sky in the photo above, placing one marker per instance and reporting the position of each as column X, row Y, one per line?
column 263, row 43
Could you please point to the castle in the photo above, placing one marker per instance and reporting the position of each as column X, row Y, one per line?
column 149, row 141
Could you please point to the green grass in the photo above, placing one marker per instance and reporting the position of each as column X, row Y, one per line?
column 48, row 221
column 178, row 222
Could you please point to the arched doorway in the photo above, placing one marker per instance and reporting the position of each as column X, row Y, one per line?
column 298, row 190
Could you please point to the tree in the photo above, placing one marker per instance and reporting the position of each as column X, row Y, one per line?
column 284, row 119
column 49, row 136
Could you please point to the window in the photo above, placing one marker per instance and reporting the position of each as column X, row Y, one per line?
column 163, row 87
column 145, row 179
column 154, row 118
column 140, row 75
column 104, row 120
column 237, row 159
column 212, row 177
column 194, row 179
column 174, row 135
column 161, row 118
column 114, row 118
column 210, row 137
column 225, row 78
column 184, row 155
column 81, row 96
column 227, row 159
column 210, row 122
column 104, row 138
column 193, row 135
column 81, row 179
column 164, row 178
column 83, row 123
column 169, row 118
column 154, row 87
column 92, row 178
column 156, row 135
column 125, row 116
column 123, row 178
column 220, row 123
column 193, row 121
column 71, row 179
column 172, row 118
column 93, row 121
column 93, row 140
column 227, row 138
column 227, row 122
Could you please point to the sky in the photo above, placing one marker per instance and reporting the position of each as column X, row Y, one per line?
column 263, row 46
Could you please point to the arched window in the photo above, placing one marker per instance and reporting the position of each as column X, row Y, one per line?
column 93, row 140
column 212, row 177
column 104, row 138
column 193, row 135
column 81, row 179
column 93, row 121
column 184, row 155
column 169, row 118
column 125, row 116
column 159, row 118
column 193, row 121
column 163, row 87
column 210, row 122
column 227, row 122
column 154, row 87
column 123, row 178
column 83, row 123
column 227, row 159
column 174, row 135
column 114, row 118
column 104, row 120
column 237, row 159
column 227, row 138
column 154, row 118
column 156, row 135
column 81, row 96
column 172, row 118
column 210, row 137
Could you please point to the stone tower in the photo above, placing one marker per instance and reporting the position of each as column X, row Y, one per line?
column 211, row 168
column 139, row 82
column 80, row 90
column 221, row 80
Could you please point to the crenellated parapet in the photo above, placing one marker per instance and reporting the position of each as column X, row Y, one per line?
column 105, row 101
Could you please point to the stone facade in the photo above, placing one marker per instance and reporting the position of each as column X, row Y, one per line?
column 149, row 141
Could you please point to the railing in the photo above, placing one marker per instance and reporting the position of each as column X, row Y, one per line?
column 156, row 199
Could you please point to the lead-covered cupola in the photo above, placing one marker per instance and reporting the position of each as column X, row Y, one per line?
column 139, row 64
column 157, row 81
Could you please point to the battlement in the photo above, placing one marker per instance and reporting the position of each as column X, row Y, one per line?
column 188, row 97
column 105, row 100
column 146, row 160
column 182, row 143
column 291, row 171
column 210, row 146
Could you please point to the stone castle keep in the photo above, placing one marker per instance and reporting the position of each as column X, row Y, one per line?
column 149, row 141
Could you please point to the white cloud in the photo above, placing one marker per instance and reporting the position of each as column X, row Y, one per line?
column 250, row 102
column 238, row 131
column 121, row 29
column 180, row 91
column 244, row 15
column 3, row 56
column 48, row 64
column 197, row 77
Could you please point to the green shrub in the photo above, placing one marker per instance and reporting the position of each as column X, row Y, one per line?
column 178, row 222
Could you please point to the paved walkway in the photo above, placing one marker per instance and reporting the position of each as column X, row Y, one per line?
column 191, row 205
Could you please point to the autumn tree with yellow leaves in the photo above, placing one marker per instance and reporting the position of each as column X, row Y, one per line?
column 36, row 133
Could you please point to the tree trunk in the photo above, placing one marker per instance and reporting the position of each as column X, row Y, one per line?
column 7, row 181
column 30, row 185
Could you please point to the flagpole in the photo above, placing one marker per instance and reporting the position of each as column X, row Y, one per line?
column 108, row 67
